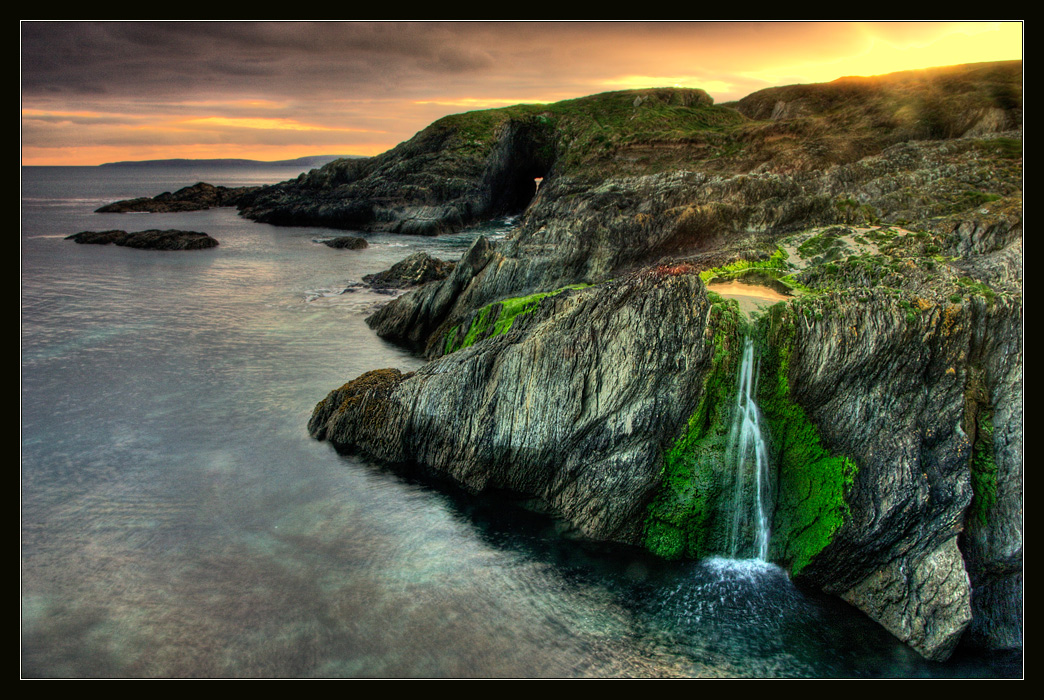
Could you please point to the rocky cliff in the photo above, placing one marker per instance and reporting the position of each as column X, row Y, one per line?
column 583, row 361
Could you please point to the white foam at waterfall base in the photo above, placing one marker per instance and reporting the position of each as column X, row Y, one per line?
column 747, row 569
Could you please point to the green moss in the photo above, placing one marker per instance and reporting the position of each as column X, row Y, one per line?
column 451, row 340
column 969, row 199
column 983, row 470
column 978, row 288
column 1004, row 147
column 506, row 313
column 819, row 245
column 680, row 520
column 811, row 504
column 478, row 326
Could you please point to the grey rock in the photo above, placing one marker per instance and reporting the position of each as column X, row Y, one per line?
column 574, row 405
column 914, row 373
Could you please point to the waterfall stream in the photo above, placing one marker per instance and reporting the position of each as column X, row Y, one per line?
column 749, row 453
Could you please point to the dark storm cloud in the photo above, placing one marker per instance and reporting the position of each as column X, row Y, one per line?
column 165, row 59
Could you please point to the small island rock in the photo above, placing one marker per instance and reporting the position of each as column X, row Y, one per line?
column 152, row 239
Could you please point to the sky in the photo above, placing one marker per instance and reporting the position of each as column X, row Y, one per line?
column 96, row 92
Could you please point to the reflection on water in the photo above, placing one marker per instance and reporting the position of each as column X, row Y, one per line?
column 177, row 520
column 750, row 297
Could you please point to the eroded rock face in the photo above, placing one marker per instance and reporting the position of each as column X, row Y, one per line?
column 152, row 239
column 578, row 233
column 437, row 182
column 898, row 393
column 578, row 403
column 414, row 321
column 924, row 601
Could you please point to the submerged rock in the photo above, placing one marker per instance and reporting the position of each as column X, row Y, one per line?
column 194, row 198
column 171, row 239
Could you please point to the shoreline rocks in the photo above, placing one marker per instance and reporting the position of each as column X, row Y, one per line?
column 893, row 379
column 193, row 198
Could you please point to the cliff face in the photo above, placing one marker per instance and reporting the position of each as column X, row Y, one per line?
column 584, row 363
column 911, row 400
column 573, row 405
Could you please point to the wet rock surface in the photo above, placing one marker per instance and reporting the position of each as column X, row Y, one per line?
column 573, row 405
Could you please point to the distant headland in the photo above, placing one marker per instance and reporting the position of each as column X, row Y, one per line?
column 305, row 162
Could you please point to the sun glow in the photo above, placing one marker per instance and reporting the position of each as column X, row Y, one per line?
column 288, row 99
column 880, row 53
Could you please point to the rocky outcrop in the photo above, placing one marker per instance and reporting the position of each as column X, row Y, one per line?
column 347, row 243
column 573, row 405
column 417, row 269
column 152, row 239
column 414, row 322
column 578, row 403
column 452, row 174
column 891, row 386
column 193, row 198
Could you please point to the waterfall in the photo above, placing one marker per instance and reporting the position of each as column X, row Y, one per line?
column 748, row 452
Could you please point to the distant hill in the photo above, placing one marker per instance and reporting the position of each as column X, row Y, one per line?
column 305, row 162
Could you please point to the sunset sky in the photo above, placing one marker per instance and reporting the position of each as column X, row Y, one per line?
column 95, row 92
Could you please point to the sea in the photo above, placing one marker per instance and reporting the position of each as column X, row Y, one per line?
column 177, row 521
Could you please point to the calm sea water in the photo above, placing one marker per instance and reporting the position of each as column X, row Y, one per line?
column 177, row 520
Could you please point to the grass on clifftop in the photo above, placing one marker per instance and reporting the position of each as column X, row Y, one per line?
column 595, row 134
